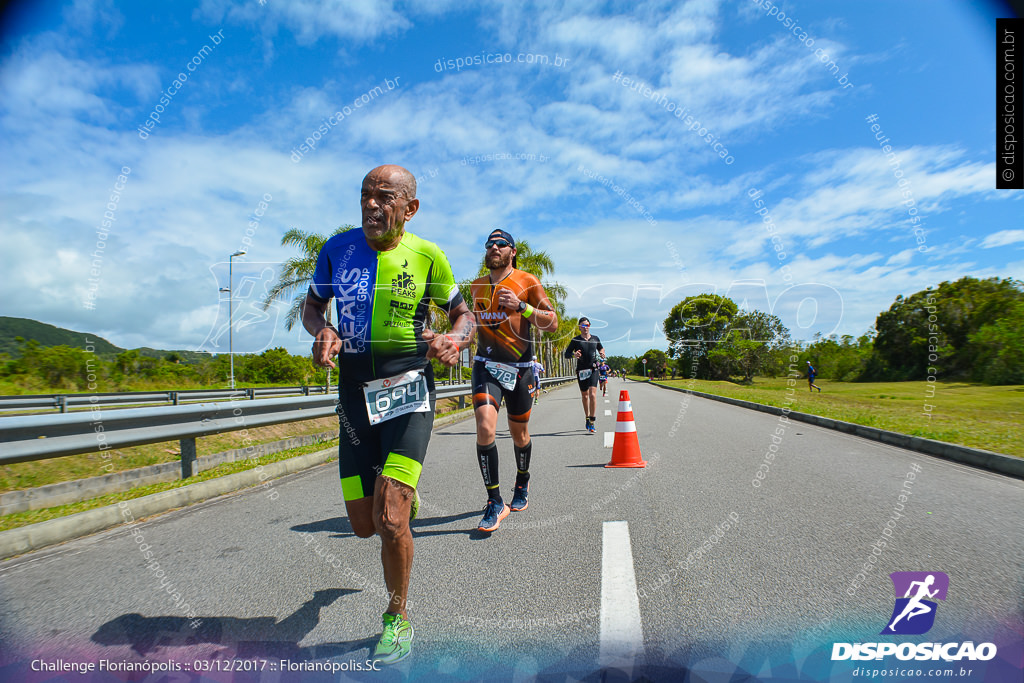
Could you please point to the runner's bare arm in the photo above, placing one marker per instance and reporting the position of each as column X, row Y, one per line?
column 446, row 347
column 327, row 343
column 544, row 316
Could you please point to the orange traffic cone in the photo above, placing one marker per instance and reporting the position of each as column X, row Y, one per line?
column 626, row 449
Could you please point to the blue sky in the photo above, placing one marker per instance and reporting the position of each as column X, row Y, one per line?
column 636, row 209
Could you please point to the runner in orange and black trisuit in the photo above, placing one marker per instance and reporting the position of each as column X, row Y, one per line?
column 589, row 352
column 506, row 302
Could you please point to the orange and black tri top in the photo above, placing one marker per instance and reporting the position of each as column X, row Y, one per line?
column 504, row 335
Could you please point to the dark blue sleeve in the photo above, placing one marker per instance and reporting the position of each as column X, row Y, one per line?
column 321, row 286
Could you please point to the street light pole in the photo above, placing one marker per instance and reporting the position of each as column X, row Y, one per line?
column 231, row 322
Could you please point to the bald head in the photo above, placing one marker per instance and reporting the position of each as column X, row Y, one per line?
column 388, row 201
column 396, row 176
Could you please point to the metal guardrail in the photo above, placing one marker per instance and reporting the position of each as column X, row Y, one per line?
column 64, row 402
column 26, row 438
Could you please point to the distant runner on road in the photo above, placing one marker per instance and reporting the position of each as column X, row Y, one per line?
column 538, row 370
column 588, row 351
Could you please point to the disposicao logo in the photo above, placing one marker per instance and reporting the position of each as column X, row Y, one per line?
column 914, row 614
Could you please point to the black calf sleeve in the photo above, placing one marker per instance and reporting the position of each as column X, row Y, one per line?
column 488, row 459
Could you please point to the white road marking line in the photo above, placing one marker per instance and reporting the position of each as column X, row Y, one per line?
column 608, row 413
column 609, row 439
column 622, row 636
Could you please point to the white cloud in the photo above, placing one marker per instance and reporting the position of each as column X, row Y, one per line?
column 1003, row 238
column 190, row 195
column 310, row 20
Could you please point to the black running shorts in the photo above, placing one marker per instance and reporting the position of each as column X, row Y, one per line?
column 394, row 448
column 518, row 401
column 589, row 382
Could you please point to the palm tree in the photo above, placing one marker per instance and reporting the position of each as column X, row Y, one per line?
column 297, row 274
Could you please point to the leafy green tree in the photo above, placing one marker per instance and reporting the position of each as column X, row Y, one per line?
column 748, row 345
column 844, row 359
column 694, row 327
column 999, row 348
column 657, row 363
column 273, row 366
column 618, row 363
column 934, row 328
column 66, row 367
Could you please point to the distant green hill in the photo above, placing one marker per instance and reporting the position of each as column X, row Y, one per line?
column 48, row 335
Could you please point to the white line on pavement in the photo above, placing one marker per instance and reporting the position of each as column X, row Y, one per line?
column 608, row 413
column 622, row 636
column 609, row 439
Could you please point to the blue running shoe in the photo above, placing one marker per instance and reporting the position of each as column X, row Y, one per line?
column 495, row 511
column 519, row 495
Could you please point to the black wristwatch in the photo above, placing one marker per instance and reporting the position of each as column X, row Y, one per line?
column 521, row 307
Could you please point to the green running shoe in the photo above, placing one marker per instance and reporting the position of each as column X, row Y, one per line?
column 396, row 642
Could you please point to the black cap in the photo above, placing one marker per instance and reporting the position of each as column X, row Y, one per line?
column 499, row 233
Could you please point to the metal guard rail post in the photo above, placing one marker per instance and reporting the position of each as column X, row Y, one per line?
column 40, row 437
column 64, row 402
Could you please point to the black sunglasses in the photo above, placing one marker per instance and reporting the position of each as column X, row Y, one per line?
column 501, row 244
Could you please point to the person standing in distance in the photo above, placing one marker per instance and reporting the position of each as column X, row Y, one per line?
column 384, row 280
column 507, row 302
column 588, row 352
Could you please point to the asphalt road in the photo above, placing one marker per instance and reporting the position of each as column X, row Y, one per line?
column 728, row 578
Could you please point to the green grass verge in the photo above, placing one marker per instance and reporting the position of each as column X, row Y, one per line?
column 974, row 415
column 19, row 519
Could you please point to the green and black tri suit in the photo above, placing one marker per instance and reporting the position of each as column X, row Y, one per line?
column 382, row 301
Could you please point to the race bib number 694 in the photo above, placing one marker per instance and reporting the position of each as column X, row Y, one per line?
column 393, row 396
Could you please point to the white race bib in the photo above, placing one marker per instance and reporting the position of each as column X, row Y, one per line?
column 505, row 374
column 585, row 374
column 393, row 396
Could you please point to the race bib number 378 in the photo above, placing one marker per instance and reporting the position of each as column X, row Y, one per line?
column 505, row 374
column 393, row 396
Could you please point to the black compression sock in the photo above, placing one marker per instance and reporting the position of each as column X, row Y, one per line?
column 487, row 458
column 523, row 463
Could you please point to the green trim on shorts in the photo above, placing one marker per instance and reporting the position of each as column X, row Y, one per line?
column 403, row 469
column 352, row 488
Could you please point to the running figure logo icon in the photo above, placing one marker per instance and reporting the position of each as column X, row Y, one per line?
column 913, row 613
